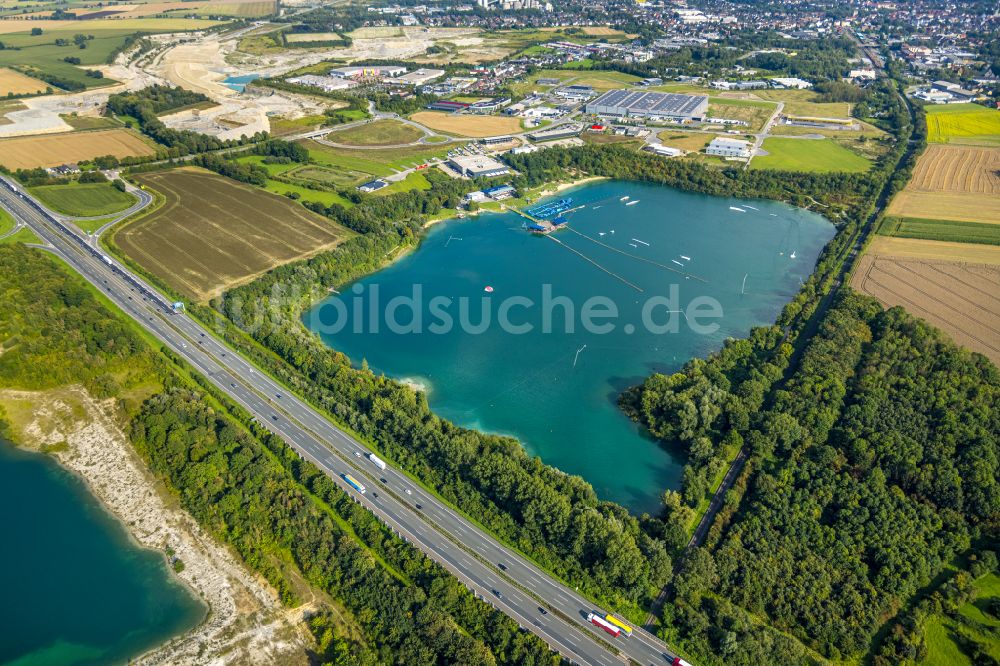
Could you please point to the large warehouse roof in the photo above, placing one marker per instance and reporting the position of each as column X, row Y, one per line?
column 642, row 102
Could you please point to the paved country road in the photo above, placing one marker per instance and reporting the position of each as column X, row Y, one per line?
column 421, row 518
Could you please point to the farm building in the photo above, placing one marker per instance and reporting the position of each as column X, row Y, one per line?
column 652, row 105
column 723, row 147
column 477, row 166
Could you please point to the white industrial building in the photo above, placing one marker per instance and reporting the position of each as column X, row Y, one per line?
column 477, row 166
column 665, row 151
column 723, row 147
column 418, row 77
column 624, row 103
column 326, row 83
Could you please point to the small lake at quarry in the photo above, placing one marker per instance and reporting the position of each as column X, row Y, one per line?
column 556, row 391
column 76, row 589
column 239, row 83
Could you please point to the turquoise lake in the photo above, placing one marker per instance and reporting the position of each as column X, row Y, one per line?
column 76, row 589
column 556, row 391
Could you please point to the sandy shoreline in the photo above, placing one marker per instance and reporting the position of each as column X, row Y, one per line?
column 245, row 622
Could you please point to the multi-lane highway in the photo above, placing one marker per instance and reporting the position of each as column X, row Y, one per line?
column 513, row 584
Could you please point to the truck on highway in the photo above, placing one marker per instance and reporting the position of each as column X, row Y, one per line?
column 378, row 462
column 627, row 630
column 354, row 483
column 599, row 621
column 679, row 662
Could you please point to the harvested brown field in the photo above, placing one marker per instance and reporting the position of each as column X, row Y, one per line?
column 914, row 248
column 463, row 125
column 48, row 150
column 961, row 298
column 213, row 233
column 946, row 206
column 953, row 183
column 944, row 168
column 15, row 83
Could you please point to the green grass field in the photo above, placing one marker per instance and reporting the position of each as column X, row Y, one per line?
column 27, row 52
column 83, row 200
column 25, row 235
column 6, row 222
column 414, row 181
column 945, row 634
column 965, row 124
column 305, row 194
column 814, row 155
column 89, row 122
column 942, row 230
column 377, row 133
column 753, row 112
column 374, row 162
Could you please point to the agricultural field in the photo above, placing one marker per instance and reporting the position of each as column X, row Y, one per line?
column 39, row 53
column 952, row 183
column 689, row 141
column 83, row 199
column 212, row 233
column 954, row 286
column 376, row 133
column 467, row 125
column 128, row 25
column 803, row 103
column 814, row 155
column 48, row 150
column 942, row 230
column 959, row 169
column 754, row 113
column 15, row 83
column 963, row 124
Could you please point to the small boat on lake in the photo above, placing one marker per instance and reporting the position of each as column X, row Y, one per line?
column 632, row 203
column 738, row 210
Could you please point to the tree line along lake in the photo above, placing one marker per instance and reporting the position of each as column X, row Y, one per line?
column 547, row 331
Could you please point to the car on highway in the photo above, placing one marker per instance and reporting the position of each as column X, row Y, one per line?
column 542, row 611
column 383, row 480
column 274, row 417
column 357, row 453
column 503, row 567
column 497, row 592
column 409, row 492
